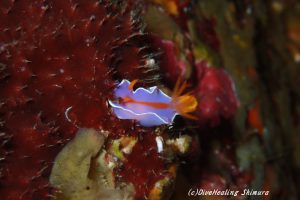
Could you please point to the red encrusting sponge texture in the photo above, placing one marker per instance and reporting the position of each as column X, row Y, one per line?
column 59, row 62
column 216, row 94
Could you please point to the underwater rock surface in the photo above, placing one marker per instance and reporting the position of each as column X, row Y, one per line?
column 60, row 62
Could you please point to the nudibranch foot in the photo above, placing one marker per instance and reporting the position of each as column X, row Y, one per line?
column 151, row 107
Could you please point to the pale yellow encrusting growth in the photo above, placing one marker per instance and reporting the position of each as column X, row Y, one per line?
column 84, row 170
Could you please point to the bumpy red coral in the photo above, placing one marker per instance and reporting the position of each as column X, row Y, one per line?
column 216, row 94
column 59, row 63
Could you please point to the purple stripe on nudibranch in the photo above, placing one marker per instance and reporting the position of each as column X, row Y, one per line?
column 146, row 115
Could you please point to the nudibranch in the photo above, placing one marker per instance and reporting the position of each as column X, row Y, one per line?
column 151, row 106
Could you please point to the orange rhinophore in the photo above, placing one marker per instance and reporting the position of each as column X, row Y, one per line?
column 184, row 103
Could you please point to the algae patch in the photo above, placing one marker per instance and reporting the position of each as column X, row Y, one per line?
column 77, row 176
